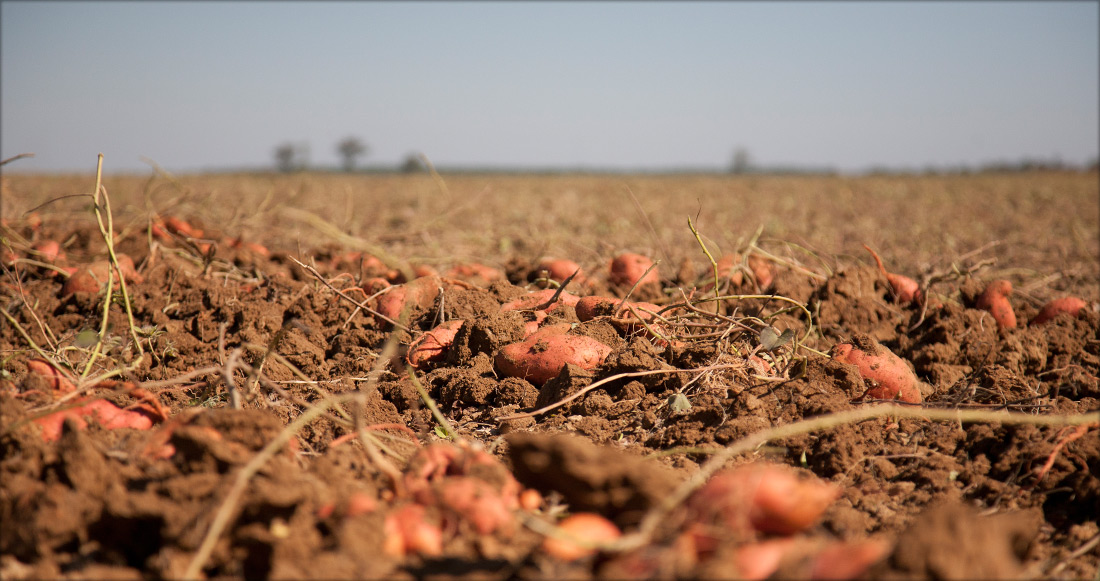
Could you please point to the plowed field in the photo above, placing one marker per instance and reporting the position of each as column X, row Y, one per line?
column 328, row 376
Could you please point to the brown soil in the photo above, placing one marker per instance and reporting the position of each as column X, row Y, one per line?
column 234, row 343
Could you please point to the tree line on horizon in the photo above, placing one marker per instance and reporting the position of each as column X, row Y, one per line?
column 291, row 157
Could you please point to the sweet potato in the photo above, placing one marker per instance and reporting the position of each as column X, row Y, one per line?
column 531, row 327
column 408, row 531
column 586, row 527
column 420, row 293
column 630, row 319
column 374, row 284
column 756, row 561
column 1072, row 306
column 848, row 560
column 432, row 345
column 475, row 273
column 995, row 300
column 906, row 290
column 889, row 375
column 372, row 266
column 420, row 270
column 559, row 269
column 763, row 270
column 628, row 268
column 542, row 355
column 91, row 278
column 533, row 299
column 253, row 247
column 530, row 499
column 590, row 307
column 477, row 502
column 80, row 281
column 360, row 503
column 727, row 268
column 108, row 415
column 57, row 381
column 769, row 498
column 48, row 250
column 178, row 226
column 163, row 228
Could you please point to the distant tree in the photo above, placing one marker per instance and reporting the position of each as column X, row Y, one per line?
column 292, row 157
column 413, row 164
column 350, row 148
column 742, row 162
column 284, row 157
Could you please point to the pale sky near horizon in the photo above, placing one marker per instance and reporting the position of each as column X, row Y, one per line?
column 613, row 85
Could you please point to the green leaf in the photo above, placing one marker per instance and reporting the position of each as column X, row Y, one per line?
column 679, row 402
column 86, row 339
column 771, row 339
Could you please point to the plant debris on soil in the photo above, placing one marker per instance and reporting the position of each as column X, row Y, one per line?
column 545, row 377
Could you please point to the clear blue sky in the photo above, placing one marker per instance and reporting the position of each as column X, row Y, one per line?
column 619, row 85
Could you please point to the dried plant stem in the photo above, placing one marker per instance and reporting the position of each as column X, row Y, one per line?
column 710, row 257
column 106, row 229
column 442, row 185
column 27, row 337
column 15, row 157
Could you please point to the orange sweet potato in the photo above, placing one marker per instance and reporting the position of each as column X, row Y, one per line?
column 109, row 415
column 475, row 273
column 91, row 278
column 848, row 560
column 1072, row 306
column 763, row 270
column 534, row 299
column 530, row 499
column 629, row 268
column 163, row 228
column 178, row 226
column 769, row 498
column 727, row 268
column 57, row 381
column 995, row 300
column 590, row 307
column 906, row 290
column 419, row 293
column 889, row 375
column 559, row 269
column 477, row 502
column 49, row 250
column 253, row 247
column 756, row 561
column 432, row 345
column 360, row 503
column 409, row 531
column 586, row 527
column 543, row 354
